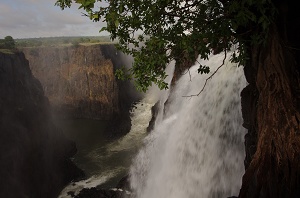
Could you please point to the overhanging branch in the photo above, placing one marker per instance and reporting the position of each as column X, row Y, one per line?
column 207, row 79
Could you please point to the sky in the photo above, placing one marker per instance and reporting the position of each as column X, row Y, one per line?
column 40, row 18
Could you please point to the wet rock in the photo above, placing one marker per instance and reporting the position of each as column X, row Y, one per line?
column 122, row 190
column 124, row 184
column 154, row 112
column 249, row 97
column 101, row 193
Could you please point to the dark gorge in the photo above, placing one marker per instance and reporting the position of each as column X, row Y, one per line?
column 56, row 83
column 35, row 155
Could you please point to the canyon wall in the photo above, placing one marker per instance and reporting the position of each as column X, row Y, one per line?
column 80, row 82
column 34, row 153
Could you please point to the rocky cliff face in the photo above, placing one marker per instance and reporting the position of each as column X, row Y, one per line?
column 249, row 97
column 80, row 83
column 127, row 93
column 34, row 154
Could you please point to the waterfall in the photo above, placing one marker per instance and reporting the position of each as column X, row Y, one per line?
column 196, row 150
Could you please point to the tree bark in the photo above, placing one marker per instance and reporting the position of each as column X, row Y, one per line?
column 274, row 171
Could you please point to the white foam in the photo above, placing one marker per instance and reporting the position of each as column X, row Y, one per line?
column 91, row 182
column 196, row 148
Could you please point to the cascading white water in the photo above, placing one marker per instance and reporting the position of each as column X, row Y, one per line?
column 197, row 150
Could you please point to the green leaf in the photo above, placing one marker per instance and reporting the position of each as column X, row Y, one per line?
column 116, row 23
column 170, row 30
column 203, row 69
column 103, row 29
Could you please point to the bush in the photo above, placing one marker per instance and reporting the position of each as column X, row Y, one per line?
column 9, row 42
column 75, row 43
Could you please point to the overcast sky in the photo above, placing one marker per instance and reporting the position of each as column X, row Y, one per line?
column 40, row 18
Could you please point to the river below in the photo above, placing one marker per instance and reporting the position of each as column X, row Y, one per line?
column 105, row 160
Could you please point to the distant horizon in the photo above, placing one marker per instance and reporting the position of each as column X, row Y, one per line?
column 59, row 36
column 99, row 35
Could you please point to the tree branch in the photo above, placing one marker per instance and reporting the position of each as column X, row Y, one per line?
column 207, row 79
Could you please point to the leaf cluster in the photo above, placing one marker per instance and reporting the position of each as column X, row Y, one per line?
column 155, row 32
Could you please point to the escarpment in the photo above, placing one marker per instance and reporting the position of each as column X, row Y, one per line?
column 80, row 82
column 34, row 153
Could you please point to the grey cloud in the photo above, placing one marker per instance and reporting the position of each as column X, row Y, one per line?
column 40, row 18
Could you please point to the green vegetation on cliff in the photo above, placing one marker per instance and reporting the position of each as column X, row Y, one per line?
column 7, row 45
column 62, row 41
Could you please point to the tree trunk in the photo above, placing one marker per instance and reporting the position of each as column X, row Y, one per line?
column 274, row 171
